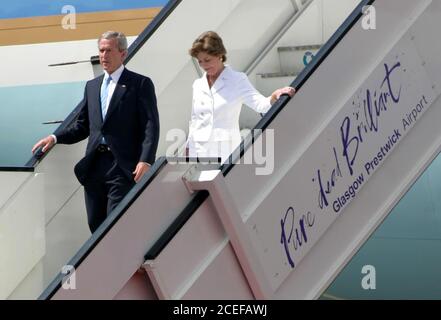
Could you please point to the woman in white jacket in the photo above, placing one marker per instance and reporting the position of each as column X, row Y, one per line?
column 217, row 99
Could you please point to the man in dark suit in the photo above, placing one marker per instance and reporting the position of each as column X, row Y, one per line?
column 119, row 115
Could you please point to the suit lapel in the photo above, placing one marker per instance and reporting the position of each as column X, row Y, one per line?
column 120, row 90
column 218, row 84
column 204, row 85
column 96, row 96
column 221, row 80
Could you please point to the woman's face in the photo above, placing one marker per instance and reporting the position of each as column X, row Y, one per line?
column 212, row 65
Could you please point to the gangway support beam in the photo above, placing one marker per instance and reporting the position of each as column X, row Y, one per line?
column 214, row 182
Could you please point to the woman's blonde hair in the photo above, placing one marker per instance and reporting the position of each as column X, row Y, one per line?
column 210, row 43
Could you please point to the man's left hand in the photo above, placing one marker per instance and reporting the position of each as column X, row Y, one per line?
column 140, row 170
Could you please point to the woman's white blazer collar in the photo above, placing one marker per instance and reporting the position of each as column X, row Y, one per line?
column 220, row 82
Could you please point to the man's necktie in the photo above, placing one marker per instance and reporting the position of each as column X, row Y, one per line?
column 104, row 94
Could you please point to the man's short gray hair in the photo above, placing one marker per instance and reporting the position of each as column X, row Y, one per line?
column 119, row 36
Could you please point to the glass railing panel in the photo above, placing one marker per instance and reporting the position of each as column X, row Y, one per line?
column 25, row 109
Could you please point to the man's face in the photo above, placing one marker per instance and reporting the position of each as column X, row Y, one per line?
column 110, row 56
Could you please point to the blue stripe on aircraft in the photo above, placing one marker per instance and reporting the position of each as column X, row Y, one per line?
column 32, row 8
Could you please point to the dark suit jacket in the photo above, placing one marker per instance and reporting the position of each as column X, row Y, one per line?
column 131, row 126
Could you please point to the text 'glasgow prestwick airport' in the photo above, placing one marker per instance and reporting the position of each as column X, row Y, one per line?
column 369, row 166
column 339, row 203
column 382, row 153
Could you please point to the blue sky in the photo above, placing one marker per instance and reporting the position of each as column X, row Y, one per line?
column 31, row 8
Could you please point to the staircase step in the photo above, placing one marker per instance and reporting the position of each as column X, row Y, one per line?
column 299, row 48
column 277, row 74
column 267, row 83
